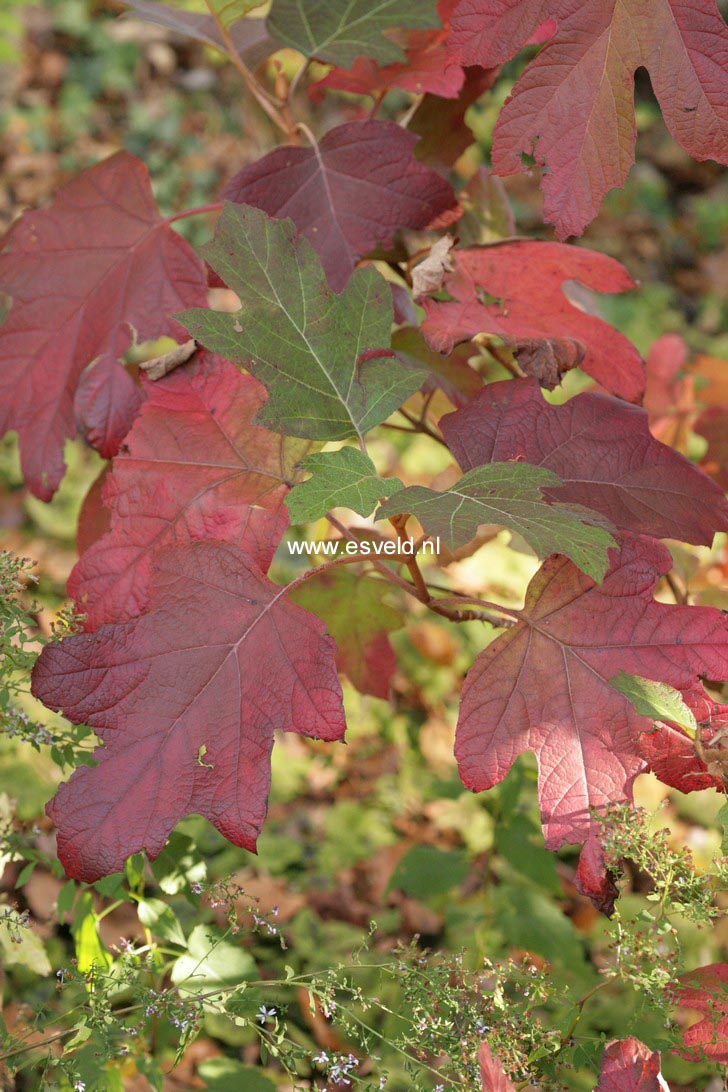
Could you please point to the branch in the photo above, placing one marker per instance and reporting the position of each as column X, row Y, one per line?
column 422, row 426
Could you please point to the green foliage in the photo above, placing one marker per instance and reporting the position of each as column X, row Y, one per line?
column 509, row 494
column 306, row 342
column 656, row 700
column 339, row 31
column 345, row 478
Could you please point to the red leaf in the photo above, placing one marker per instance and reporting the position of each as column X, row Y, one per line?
column 672, row 755
column 713, row 426
column 429, row 66
column 706, row 989
column 441, row 127
column 82, row 273
column 350, row 193
column 492, row 1075
column 594, row 879
column 663, row 364
column 193, row 465
column 525, row 283
column 106, row 403
column 186, row 699
column 601, row 449
column 629, row 1066
column 544, row 685
column 94, row 519
column 573, row 108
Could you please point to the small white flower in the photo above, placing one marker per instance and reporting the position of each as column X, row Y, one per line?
column 264, row 1014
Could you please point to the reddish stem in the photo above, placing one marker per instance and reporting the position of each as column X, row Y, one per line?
column 216, row 207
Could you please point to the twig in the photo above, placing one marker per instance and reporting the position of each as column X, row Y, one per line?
column 216, row 207
column 500, row 357
column 422, row 426
column 407, row 117
column 423, row 592
column 679, row 595
column 267, row 102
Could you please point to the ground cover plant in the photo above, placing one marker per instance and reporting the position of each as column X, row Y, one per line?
column 352, row 449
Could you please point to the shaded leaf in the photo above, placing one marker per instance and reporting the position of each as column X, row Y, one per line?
column 426, row 872
column 159, row 688
column 573, row 108
column 99, row 261
column 339, row 479
column 105, row 404
column 249, row 36
column 193, row 467
column 510, row 495
column 452, row 374
column 339, row 31
column 603, row 452
column 516, row 290
column 349, row 193
column 324, row 359
column 543, row 686
column 360, row 620
column 228, row 1075
column 441, row 127
column 211, row 961
column 94, row 519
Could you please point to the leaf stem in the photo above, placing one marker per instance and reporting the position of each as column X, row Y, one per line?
column 217, row 206
column 267, row 102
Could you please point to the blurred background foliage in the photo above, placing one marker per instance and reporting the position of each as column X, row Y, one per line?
column 380, row 830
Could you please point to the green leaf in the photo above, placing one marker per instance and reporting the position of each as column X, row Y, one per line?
column 358, row 618
column 90, row 952
column 227, row 1075
column 180, row 863
column 426, row 871
column 28, row 953
column 161, row 920
column 723, row 818
column 229, row 11
column 656, row 700
column 339, row 31
column 509, row 494
column 340, row 479
column 66, row 899
column 134, row 870
column 301, row 340
column 210, row 962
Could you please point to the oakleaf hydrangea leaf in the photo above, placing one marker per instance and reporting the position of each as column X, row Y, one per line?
column 324, row 359
column 656, row 700
column 339, row 31
column 339, row 479
column 508, row 494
